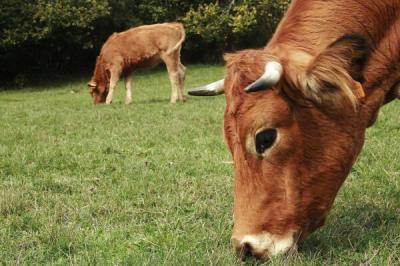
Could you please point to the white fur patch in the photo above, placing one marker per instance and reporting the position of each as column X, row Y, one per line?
column 267, row 245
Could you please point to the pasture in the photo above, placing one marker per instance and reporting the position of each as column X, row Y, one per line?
column 151, row 183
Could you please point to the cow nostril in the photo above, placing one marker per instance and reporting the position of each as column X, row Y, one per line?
column 244, row 250
column 247, row 250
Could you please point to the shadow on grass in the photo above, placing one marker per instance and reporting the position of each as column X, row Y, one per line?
column 38, row 82
column 152, row 100
column 139, row 102
column 11, row 100
column 51, row 80
column 46, row 81
column 354, row 229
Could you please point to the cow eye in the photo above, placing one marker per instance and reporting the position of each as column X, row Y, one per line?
column 265, row 139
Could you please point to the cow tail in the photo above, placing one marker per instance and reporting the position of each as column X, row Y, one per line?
column 182, row 39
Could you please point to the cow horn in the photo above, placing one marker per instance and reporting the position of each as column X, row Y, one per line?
column 91, row 84
column 211, row 89
column 272, row 75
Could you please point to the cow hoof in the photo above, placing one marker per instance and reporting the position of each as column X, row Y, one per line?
column 128, row 102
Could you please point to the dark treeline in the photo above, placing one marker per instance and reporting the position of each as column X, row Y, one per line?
column 66, row 35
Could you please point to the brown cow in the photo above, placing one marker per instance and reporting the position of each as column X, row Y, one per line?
column 140, row 47
column 296, row 114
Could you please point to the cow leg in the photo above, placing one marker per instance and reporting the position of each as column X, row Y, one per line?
column 172, row 62
column 113, row 83
column 174, row 79
column 128, row 89
column 182, row 76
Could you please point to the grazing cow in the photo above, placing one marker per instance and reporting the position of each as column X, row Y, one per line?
column 296, row 114
column 140, row 47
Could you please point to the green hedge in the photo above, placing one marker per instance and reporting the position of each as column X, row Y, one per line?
column 59, row 35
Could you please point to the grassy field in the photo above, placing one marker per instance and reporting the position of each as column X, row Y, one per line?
column 149, row 183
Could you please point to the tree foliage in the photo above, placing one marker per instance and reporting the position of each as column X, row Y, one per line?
column 66, row 34
column 33, row 21
column 236, row 24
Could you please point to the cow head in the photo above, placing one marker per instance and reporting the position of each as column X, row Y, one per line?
column 98, row 92
column 100, row 82
column 293, row 126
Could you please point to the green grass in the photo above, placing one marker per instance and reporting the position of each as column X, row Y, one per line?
column 149, row 183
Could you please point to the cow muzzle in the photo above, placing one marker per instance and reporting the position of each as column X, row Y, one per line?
column 264, row 246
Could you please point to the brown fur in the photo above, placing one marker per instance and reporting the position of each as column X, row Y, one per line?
column 140, row 47
column 292, row 188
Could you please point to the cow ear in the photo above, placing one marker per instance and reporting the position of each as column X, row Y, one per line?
column 330, row 77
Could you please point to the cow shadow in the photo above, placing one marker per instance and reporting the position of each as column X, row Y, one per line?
column 152, row 100
column 353, row 229
column 189, row 99
column 142, row 102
